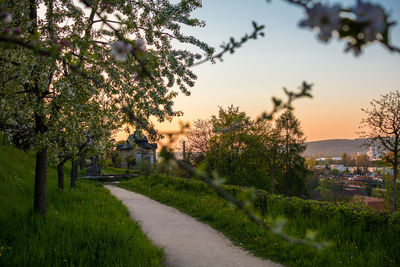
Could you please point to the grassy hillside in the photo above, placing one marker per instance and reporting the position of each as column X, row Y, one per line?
column 85, row 226
column 357, row 238
column 334, row 148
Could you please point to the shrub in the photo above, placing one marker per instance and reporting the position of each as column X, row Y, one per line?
column 116, row 159
column 144, row 168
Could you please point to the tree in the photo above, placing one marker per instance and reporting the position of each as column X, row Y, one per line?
column 329, row 161
column 197, row 140
column 362, row 161
column 311, row 162
column 382, row 128
column 346, row 160
column 273, row 154
column 241, row 150
column 51, row 69
column 231, row 128
column 293, row 144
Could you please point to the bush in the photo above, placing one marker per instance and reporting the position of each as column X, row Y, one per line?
column 368, row 190
column 130, row 161
column 144, row 168
column 171, row 170
column 116, row 159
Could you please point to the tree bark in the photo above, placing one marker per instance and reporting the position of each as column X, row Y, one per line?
column 272, row 181
column 393, row 204
column 41, row 182
column 60, row 175
column 74, row 171
column 81, row 163
column 40, row 194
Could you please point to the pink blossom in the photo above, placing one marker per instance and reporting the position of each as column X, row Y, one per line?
column 120, row 50
column 64, row 43
column 5, row 30
column 323, row 17
column 136, row 77
column 5, row 17
column 140, row 45
column 17, row 31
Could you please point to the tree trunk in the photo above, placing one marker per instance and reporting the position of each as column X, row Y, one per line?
column 286, row 178
column 60, row 175
column 272, row 181
column 41, row 182
column 393, row 204
column 81, row 163
column 74, row 171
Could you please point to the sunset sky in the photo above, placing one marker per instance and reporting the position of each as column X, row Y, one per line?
column 288, row 55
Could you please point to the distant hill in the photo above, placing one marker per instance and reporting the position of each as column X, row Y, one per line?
column 334, row 148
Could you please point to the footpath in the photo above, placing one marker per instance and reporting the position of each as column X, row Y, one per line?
column 186, row 241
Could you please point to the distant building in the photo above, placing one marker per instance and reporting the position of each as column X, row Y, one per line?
column 138, row 146
column 324, row 159
column 373, row 153
column 339, row 167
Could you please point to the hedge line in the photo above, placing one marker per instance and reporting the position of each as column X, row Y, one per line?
column 292, row 207
column 348, row 213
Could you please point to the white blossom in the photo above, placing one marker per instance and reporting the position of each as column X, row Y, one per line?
column 120, row 50
column 136, row 77
column 323, row 17
column 373, row 16
column 5, row 17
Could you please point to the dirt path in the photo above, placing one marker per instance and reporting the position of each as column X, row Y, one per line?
column 187, row 242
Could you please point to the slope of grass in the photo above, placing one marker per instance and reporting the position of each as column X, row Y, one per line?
column 84, row 226
column 352, row 244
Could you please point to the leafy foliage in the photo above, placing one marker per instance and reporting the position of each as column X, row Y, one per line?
column 254, row 153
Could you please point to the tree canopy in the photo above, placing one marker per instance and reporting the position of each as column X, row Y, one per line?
column 381, row 127
column 81, row 82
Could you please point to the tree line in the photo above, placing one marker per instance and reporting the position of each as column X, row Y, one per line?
column 249, row 152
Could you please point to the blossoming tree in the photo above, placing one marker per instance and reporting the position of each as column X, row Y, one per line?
column 61, row 73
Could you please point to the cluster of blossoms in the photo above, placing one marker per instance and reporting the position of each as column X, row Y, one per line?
column 323, row 17
column 373, row 18
column 6, row 18
column 62, row 43
column 121, row 49
column 361, row 24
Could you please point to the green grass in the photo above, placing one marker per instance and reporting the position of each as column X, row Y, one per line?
column 353, row 244
column 113, row 170
column 84, row 226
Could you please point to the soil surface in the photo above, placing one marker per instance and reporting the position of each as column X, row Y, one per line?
column 186, row 241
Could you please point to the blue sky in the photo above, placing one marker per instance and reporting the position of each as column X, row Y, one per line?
column 286, row 56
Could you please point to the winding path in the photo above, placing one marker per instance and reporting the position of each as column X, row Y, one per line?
column 186, row 242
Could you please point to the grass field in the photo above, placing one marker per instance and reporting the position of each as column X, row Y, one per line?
column 352, row 244
column 84, row 226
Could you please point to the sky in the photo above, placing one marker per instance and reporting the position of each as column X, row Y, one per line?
column 285, row 57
